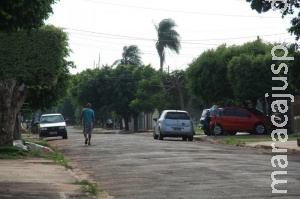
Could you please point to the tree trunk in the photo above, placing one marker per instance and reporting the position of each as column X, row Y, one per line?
column 121, row 123
column 126, row 121
column 189, row 104
column 178, row 87
column 17, row 129
column 135, row 122
column 12, row 97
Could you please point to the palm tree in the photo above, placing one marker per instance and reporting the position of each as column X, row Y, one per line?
column 130, row 55
column 167, row 38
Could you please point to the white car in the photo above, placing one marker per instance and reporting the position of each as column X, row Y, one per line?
column 174, row 123
column 52, row 125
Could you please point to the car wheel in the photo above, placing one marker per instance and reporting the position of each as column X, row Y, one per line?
column 260, row 128
column 191, row 138
column 160, row 137
column 232, row 132
column 65, row 136
column 155, row 136
column 207, row 133
column 217, row 129
column 184, row 138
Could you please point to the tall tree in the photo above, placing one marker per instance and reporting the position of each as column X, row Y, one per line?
column 176, row 85
column 23, row 14
column 34, row 61
column 131, row 55
column 207, row 76
column 125, row 87
column 167, row 37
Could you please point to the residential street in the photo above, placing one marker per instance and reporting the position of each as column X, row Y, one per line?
column 137, row 166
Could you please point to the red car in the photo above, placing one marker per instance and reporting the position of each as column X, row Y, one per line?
column 238, row 119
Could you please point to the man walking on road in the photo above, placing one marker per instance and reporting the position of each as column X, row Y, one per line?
column 87, row 121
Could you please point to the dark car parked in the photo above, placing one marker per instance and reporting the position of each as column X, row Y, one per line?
column 204, row 121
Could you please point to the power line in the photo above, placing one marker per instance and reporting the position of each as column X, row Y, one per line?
column 176, row 11
column 147, row 39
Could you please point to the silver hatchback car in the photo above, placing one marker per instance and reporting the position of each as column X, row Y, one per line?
column 174, row 123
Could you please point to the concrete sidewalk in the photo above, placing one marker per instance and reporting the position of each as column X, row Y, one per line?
column 36, row 178
column 291, row 146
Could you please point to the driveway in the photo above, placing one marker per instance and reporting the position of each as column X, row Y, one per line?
column 137, row 166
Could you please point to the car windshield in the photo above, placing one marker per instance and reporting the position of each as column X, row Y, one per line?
column 177, row 116
column 52, row 119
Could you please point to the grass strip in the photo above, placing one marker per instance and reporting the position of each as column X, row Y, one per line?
column 87, row 187
column 242, row 141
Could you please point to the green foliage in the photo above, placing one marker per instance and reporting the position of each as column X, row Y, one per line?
column 125, row 88
column 67, row 109
column 23, row 14
column 131, row 55
column 240, row 141
column 37, row 60
column 292, row 7
column 239, row 74
column 207, row 76
column 58, row 158
column 234, row 141
column 12, row 152
column 147, row 87
column 246, row 73
column 167, row 37
column 88, row 187
column 294, row 71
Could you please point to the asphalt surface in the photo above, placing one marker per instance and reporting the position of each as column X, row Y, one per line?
column 137, row 166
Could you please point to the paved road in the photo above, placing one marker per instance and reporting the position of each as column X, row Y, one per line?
column 137, row 166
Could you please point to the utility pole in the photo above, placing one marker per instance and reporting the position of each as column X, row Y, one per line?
column 99, row 61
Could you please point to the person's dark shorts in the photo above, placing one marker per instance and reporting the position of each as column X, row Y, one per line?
column 87, row 128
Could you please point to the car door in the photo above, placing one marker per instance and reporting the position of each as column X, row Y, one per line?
column 243, row 120
column 228, row 119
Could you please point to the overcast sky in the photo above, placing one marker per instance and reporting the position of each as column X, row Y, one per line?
column 101, row 28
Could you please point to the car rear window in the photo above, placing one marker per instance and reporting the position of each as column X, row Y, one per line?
column 52, row 119
column 177, row 116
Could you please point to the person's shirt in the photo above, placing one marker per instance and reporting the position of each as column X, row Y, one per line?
column 214, row 111
column 87, row 115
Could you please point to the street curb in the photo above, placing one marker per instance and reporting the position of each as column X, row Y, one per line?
column 208, row 139
column 289, row 151
column 258, row 146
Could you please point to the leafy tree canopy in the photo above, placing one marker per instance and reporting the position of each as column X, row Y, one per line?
column 167, row 37
column 240, row 74
column 131, row 55
column 287, row 7
column 37, row 60
column 24, row 14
